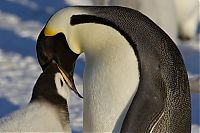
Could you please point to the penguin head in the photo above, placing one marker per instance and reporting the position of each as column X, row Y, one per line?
column 52, row 87
column 56, row 48
column 54, row 44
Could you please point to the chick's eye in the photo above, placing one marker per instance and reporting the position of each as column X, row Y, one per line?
column 61, row 82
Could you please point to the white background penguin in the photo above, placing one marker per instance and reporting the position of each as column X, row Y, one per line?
column 175, row 17
column 48, row 108
column 135, row 78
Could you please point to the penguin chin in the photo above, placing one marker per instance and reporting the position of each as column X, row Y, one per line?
column 56, row 49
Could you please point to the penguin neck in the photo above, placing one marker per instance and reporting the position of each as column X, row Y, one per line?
column 110, row 80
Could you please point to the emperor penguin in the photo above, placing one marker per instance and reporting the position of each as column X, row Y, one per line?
column 134, row 79
column 48, row 108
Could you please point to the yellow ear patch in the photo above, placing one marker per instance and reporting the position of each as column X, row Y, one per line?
column 65, row 77
column 49, row 32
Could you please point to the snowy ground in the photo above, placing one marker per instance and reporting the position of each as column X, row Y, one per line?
column 20, row 23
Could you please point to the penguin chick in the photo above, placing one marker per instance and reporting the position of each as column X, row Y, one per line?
column 47, row 110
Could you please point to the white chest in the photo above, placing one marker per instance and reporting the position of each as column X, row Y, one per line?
column 35, row 117
column 110, row 82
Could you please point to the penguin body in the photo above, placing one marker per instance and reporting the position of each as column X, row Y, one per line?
column 134, row 75
column 47, row 110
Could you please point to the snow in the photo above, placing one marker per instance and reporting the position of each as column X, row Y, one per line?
column 191, row 54
column 20, row 23
column 24, row 29
column 195, row 129
column 17, row 74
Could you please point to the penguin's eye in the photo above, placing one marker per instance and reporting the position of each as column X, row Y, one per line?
column 61, row 82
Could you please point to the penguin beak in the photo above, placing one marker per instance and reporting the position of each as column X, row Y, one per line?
column 55, row 48
column 69, row 83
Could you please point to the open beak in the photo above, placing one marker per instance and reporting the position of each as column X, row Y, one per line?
column 55, row 48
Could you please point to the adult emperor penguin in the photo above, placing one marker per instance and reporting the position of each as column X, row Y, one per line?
column 48, row 110
column 134, row 80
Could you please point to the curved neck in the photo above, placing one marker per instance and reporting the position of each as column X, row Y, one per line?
column 111, row 76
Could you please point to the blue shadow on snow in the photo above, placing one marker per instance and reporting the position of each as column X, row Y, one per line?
column 6, row 107
column 23, row 46
column 195, row 108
